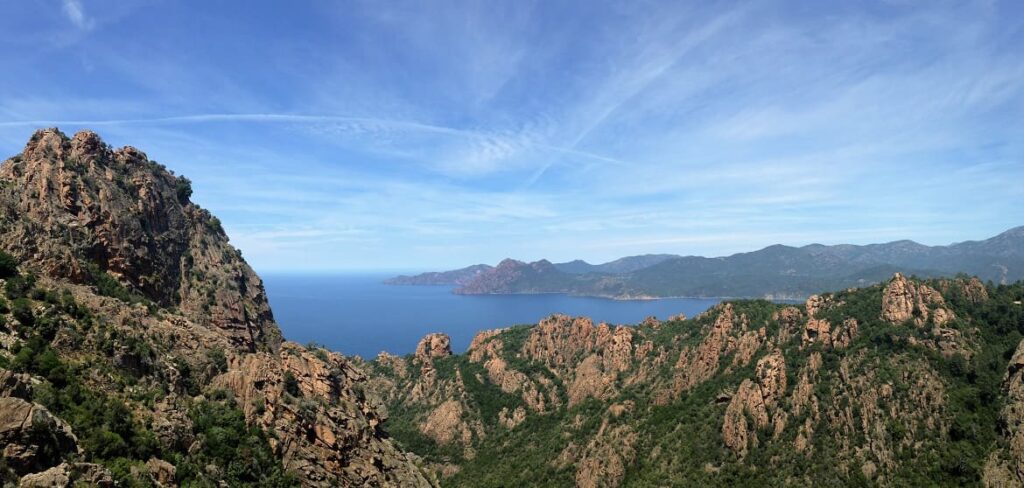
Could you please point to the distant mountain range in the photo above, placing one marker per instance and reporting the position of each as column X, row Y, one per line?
column 460, row 276
column 781, row 272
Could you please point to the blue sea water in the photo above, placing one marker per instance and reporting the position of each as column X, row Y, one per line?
column 357, row 314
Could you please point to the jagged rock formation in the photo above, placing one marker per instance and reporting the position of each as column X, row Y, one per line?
column 129, row 291
column 846, row 388
column 904, row 300
column 434, row 346
column 75, row 207
column 757, row 398
column 1005, row 467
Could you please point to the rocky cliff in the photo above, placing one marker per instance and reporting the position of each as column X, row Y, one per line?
column 138, row 347
column 903, row 383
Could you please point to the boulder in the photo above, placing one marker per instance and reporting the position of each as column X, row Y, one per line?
column 32, row 438
column 67, row 475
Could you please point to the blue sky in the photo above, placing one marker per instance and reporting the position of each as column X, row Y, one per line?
column 428, row 135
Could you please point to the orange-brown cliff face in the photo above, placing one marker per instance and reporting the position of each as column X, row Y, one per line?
column 74, row 207
column 88, row 219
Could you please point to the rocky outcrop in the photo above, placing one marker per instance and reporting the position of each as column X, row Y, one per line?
column 482, row 345
column 604, row 459
column 32, row 438
column 588, row 357
column 756, row 399
column 903, row 300
column 780, row 386
column 433, row 346
column 700, row 364
column 805, row 404
column 561, row 340
column 789, row 320
column 161, row 472
column 67, row 475
column 75, row 208
column 1013, row 412
column 327, row 431
column 152, row 294
column 817, row 331
column 510, row 419
column 445, row 424
column 820, row 331
column 15, row 385
column 817, row 304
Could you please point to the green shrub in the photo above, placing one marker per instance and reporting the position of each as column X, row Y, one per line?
column 218, row 361
column 187, row 378
column 19, row 286
column 240, row 451
column 107, row 285
column 291, row 385
column 183, row 187
column 8, row 265
column 21, row 309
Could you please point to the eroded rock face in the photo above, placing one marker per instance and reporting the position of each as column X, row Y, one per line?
column 433, row 346
column 1013, row 412
column 818, row 303
column 162, row 472
column 903, row 300
column 976, row 291
column 67, row 475
column 330, row 433
column 758, row 399
column 700, row 364
column 444, row 424
column 817, row 331
column 789, row 320
column 560, row 340
column 510, row 419
column 32, row 438
column 604, row 459
column 15, row 385
column 75, row 209
column 589, row 357
column 84, row 208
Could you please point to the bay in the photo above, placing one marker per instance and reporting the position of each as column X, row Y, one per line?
column 357, row 314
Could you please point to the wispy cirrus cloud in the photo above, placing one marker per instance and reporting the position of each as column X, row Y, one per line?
column 404, row 133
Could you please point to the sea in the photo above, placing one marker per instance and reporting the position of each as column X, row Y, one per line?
column 356, row 314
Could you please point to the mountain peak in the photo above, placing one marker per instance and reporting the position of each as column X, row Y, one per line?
column 89, row 214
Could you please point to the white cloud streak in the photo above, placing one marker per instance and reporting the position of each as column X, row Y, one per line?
column 75, row 12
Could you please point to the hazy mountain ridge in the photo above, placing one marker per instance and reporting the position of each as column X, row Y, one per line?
column 776, row 271
column 460, row 276
column 619, row 266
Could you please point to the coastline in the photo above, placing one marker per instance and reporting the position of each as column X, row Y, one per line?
column 636, row 297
